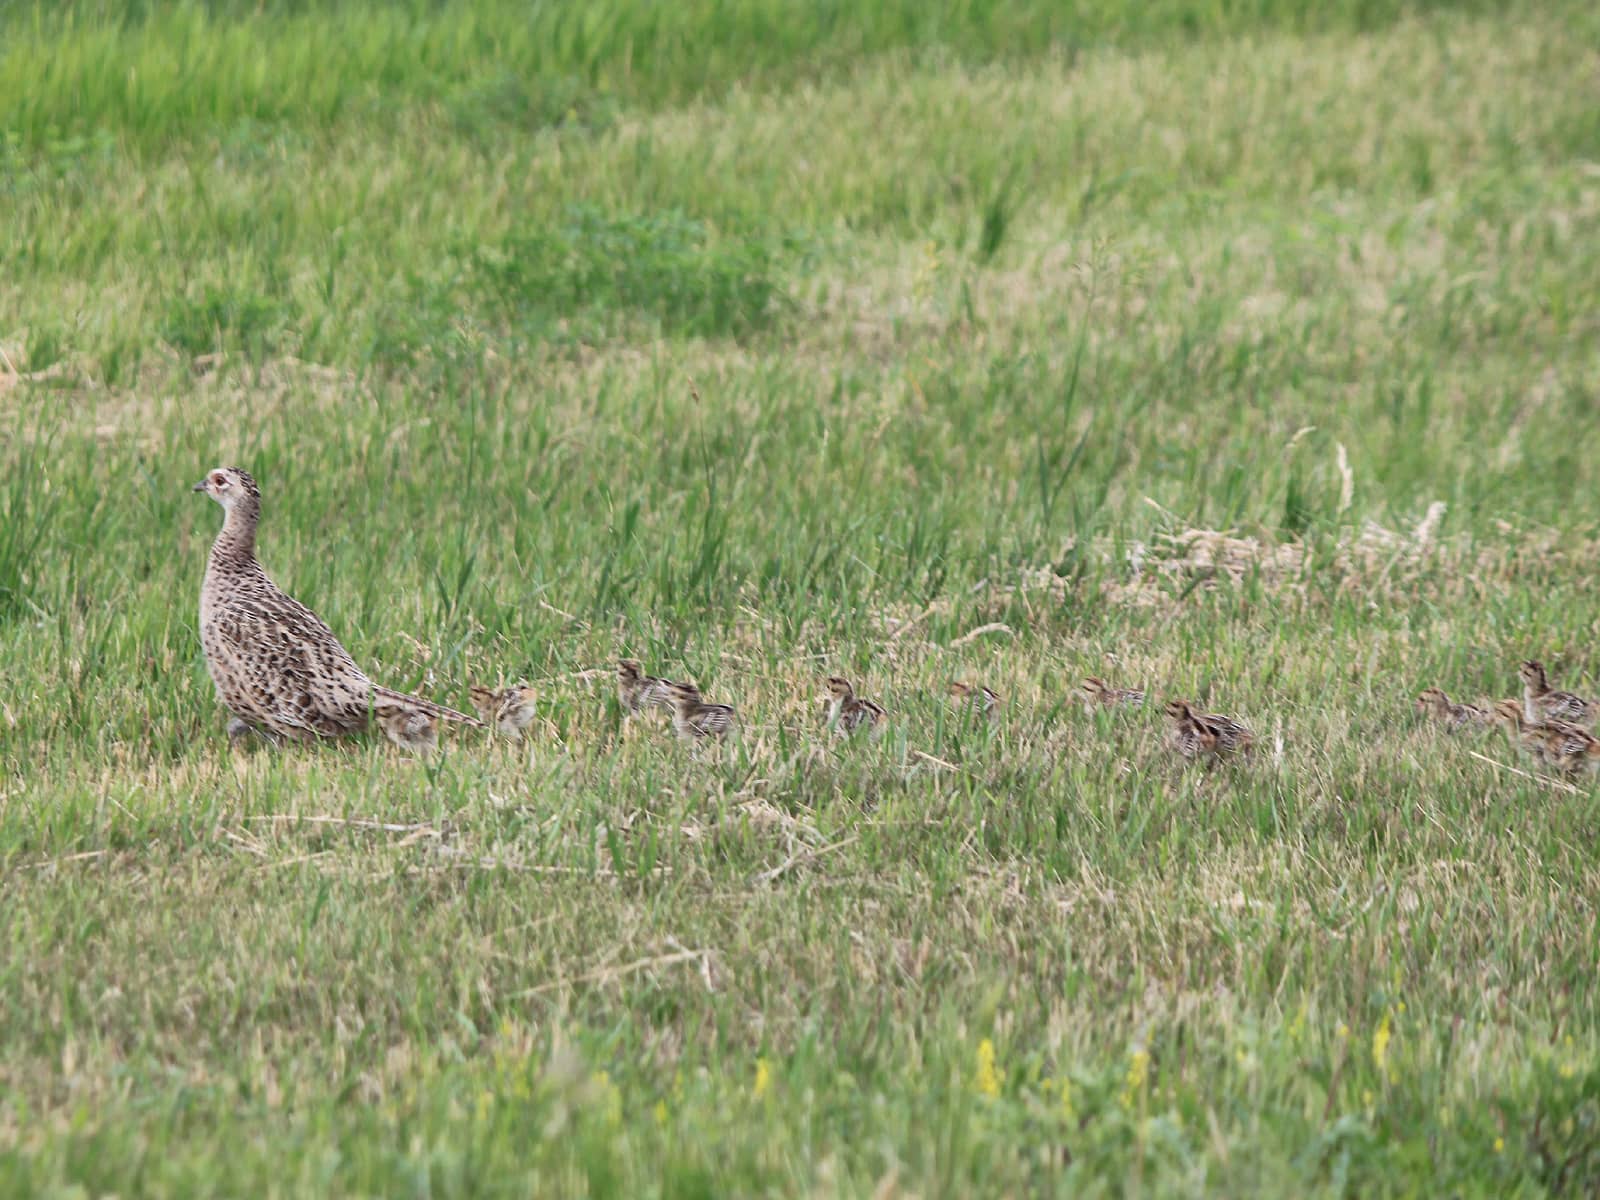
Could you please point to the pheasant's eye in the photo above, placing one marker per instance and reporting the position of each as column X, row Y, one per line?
column 218, row 480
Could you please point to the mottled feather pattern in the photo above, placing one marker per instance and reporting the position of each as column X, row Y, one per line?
column 848, row 712
column 975, row 696
column 507, row 710
column 859, row 714
column 708, row 720
column 1193, row 733
column 1543, row 703
column 1187, row 735
column 276, row 664
column 1434, row 704
column 1525, row 735
column 1570, row 747
column 281, row 672
column 1564, row 706
column 694, row 718
column 637, row 691
column 1190, row 740
column 410, row 729
column 1095, row 690
column 1232, row 737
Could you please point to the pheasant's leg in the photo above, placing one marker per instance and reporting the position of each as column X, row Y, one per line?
column 241, row 731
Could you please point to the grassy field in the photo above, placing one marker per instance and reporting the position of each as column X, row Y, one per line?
column 1212, row 347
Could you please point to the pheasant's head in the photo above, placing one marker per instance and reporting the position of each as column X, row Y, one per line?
column 629, row 669
column 228, row 486
column 1432, row 700
column 839, row 688
column 1532, row 673
column 1178, row 710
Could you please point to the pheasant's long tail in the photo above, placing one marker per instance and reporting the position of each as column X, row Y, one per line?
column 381, row 694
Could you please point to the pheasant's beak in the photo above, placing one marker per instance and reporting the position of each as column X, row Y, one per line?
column 199, row 487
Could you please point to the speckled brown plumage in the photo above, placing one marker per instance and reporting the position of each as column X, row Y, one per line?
column 411, row 729
column 1541, row 702
column 1433, row 703
column 277, row 667
column 1094, row 690
column 637, row 691
column 1186, row 733
column 848, row 712
column 693, row 717
column 976, row 697
column 1561, row 744
column 1193, row 733
column 508, row 710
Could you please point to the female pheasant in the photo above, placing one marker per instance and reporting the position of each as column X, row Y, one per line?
column 276, row 665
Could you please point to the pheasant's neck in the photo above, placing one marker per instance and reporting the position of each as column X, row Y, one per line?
column 236, row 544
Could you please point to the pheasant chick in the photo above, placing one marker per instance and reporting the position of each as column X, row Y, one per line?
column 508, row 710
column 1527, row 736
column 848, row 712
column 1437, row 706
column 637, row 691
column 976, row 697
column 1210, row 733
column 413, row 731
column 693, row 717
column 1186, row 733
column 1542, row 703
column 1095, row 690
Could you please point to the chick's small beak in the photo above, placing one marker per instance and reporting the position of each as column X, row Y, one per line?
column 199, row 487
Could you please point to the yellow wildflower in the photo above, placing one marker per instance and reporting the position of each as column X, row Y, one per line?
column 763, row 1078
column 1138, row 1075
column 1343, row 1031
column 1380, row 1043
column 661, row 1112
column 1499, row 1145
column 988, row 1079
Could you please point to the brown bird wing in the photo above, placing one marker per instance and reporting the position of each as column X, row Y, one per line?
column 1566, row 741
column 1564, row 706
column 285, row 668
